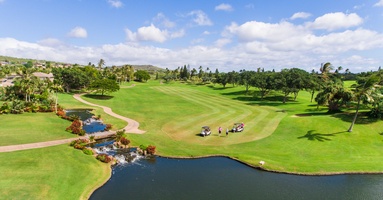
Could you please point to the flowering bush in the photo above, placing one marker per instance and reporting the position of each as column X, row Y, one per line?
column 104, row 158
column 79, row 141
column 124, row 141
column 151, row 149
column 108, row 127
column 76, row 128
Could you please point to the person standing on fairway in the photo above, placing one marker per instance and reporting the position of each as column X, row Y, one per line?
column 219, row 131
column 227, row 132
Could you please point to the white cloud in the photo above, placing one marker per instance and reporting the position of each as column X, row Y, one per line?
column 206, row 33
column 287, row 42
column 152, row 33
column 177, row 34
column 378, row 4
column 222, row 42
column 255, row 30
column 200, row 18
column 224, row 7
column 164, row 21
column 334, row 21
column 300, row 15
column 309, row 52
column 50, row 42
column 115, row 3
column 78, row 32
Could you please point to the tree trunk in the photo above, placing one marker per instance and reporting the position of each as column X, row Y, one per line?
column 355, row 116
column 56, row 103
column 312, row 95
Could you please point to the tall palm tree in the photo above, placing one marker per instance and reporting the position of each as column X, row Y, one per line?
column 325, row 70
column 55, row 88
column 101, row 63
column 364, row 91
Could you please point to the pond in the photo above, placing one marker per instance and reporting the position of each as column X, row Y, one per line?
column 90, row 125
column 223, row 178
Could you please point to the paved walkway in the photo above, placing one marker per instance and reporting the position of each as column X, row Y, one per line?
column 132, row 127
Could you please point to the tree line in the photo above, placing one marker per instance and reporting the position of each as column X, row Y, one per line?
column 326, row 85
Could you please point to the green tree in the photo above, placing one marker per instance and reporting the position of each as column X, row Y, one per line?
column 333, row 95
column 104, row 85
column 142, row 75
column 363, row 91
column 245, row 78
column 292, row 81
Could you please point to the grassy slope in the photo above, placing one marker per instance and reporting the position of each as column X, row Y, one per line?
column 59, row 172
column 315, row 143
column 312, row 143
column 32, row 127
column 68, row 102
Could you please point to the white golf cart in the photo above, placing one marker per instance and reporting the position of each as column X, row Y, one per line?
column 205, row 131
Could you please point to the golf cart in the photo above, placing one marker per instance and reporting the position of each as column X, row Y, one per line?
column 237, row 127
column 205, row 131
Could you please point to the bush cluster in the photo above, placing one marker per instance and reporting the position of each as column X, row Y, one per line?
column 104, row 158
column 76, row 128
column 124, row 141
column 88, row 151
column 151, row 149
column 82, row 142
column 108, row 127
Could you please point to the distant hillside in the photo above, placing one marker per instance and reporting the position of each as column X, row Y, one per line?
column 13, row 60
column 147, row 68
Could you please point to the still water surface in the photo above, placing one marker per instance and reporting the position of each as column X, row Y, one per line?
column 223, row 178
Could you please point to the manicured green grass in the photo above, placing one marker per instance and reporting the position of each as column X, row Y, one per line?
column 32, row 127
column 293, row 137
column 68, row 102
column 58, row 172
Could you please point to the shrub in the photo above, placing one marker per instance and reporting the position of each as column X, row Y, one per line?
column 120, row 134
column 91, row 138
column 88, row 151
column 60, row 113
column 79, row 146
column 108, row 127
column 143, row 147
column 104, row 158
column 125, row 141
column 79, row 141
column 76, row 128
column 151, row 149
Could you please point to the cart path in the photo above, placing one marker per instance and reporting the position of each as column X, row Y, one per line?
column 19, row 147
column 132, row 126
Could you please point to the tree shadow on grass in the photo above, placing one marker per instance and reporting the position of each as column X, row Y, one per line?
column 99, row 97
column 312, row 136
column 363, row 117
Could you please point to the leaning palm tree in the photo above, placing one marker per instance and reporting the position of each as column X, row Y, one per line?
column 325, row 70
column 364, row 90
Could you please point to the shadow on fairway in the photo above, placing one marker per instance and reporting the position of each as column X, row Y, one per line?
column 363, row 118
column 312, row 136
column 99, row 97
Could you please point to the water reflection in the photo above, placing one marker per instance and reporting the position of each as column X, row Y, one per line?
column 222, row 178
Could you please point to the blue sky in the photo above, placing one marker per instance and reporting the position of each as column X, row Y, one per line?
column 228, row 35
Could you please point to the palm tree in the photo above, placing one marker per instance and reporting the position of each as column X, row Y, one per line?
column 364, row 91
column 55, row 88
column 101, row 63
column 325, row 70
